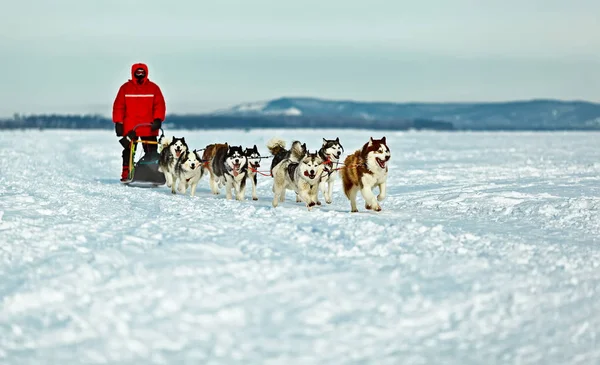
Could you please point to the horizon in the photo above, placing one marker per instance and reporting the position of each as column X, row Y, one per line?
column 192, row 113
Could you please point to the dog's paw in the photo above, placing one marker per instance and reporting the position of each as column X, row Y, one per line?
column 368, row 207
column 380, row 197
column 328, row 201
column 354, row 211
column 377, row 208
column 254, row 198
column 311, row 204
column 318, row 202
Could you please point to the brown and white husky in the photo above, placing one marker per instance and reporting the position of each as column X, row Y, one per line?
column 364, row 170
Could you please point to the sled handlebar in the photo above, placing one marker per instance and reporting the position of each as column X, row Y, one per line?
column 162, row 133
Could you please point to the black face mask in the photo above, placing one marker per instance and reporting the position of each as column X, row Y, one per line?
column 139, row 75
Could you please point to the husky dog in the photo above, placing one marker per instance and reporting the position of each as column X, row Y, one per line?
column 364, row 170
column 209, row 153
column 330, row 152
column 172, row 148
column 277, row 148
column 253, row 157
column 300, row 172
column 189, row 171
column 227, row 166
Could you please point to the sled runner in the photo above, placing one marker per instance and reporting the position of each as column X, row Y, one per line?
column 144, row 172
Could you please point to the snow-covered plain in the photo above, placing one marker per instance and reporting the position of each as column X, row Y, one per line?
column 486, row 252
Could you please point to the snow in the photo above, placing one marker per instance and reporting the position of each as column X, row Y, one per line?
column 260, row 107
column 242, row 108
column 289, row 111
column 486, row 251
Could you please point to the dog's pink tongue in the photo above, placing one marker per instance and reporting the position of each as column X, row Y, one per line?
column 236, row 171
column 178, row 153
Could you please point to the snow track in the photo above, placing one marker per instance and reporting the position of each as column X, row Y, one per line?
column 486, row 251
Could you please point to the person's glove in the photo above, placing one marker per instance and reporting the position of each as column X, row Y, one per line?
column 131, row 135
column 119, row 129
column 156, row 124
column 126, row 141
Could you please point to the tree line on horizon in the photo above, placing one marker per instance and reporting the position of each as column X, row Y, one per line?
column 87, row 121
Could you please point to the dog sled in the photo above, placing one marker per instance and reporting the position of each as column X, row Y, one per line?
column 144, row 172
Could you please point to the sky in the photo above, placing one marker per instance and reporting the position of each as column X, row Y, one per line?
column 71, row 56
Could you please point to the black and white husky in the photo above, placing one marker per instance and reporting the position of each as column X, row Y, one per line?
column 277, row 148
column 189, row 170
column 330, row 152
column 300, row 171
column 228, row 165
column 172, row 149
column 253, row 157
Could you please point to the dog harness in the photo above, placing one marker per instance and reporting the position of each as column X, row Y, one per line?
column 291, row 169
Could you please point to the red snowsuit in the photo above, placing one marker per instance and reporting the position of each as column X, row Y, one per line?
column 137, row 104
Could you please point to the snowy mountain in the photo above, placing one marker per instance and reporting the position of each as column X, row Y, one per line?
column 532, row 114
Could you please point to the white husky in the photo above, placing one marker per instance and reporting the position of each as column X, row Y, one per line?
column 330, row 152
column 189, row 170
column 172, row 148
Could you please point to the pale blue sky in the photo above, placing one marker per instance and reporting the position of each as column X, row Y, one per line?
column 72, row 55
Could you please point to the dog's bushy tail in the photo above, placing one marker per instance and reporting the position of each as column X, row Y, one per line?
column 298, row 151
column 164, row 142
column 276, row 145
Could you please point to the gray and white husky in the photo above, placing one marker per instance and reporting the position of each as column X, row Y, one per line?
column 330, row 152
column 227, row 166
column 172, row 149
column 299, row 171
column 189, row 170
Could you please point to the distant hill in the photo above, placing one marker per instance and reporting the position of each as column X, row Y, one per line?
column 533, row 115
column 515, row 115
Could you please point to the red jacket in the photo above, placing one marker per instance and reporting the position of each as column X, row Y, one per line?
column 137, row 104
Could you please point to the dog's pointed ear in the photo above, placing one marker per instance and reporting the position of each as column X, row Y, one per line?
column 324, row 141
column 255, row 148
column 337, row 139
column 370, row 141
column 383, row 140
